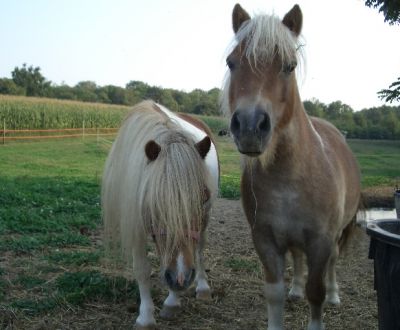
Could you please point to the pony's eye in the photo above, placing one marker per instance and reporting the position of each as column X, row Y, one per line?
column 230, row 64
column 289, row 67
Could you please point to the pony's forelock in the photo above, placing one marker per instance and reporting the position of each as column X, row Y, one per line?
column 172, row 192
column 264, row 37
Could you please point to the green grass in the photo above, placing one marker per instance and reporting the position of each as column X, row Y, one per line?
column 239, row 264
column 50, row 216
column 379, row 161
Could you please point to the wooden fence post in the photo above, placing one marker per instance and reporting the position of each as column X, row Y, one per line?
column 4, row 131
column 83, row 130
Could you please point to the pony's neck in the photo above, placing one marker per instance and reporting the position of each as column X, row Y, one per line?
column 285, row 146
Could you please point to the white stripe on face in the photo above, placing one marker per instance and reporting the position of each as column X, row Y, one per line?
column 181, row 269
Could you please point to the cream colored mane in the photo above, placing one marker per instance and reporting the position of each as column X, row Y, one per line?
column 140, row 197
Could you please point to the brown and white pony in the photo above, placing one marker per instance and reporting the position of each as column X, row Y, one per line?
column 300, row 184
column 160, row 180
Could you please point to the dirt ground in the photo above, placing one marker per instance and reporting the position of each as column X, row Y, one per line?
column 237, row 283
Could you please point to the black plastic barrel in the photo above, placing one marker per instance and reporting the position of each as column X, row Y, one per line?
column 397, row 202
column 385, row 251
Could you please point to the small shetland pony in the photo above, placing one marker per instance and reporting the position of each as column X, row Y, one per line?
column 300, row 184
column 160, row 180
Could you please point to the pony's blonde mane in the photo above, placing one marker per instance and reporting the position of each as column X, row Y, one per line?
column 262, row 38
column 164, row 197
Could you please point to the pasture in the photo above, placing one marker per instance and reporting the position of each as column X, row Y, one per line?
column 53, row 273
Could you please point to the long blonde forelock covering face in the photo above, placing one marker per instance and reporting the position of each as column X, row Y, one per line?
column 172, row 193
column 164, row 195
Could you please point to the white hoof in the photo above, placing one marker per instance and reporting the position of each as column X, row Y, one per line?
column 333, row 299
column 296, row 294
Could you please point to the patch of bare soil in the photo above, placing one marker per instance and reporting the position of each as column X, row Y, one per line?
column 237, row 282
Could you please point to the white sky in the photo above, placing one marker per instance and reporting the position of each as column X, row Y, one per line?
column 350, row 52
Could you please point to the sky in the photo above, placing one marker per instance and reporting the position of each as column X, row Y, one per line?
column 350, row 52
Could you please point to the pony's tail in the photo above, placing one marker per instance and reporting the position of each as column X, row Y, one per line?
column 352, row 228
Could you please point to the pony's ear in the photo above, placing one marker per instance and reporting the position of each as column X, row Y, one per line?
column 294, row 20
column 203, row 147
column 152, row 149
column 239, row 16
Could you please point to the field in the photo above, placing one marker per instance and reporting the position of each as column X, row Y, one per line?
column 52, row 265
column 53, row 273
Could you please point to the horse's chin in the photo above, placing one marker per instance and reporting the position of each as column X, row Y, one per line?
column 251, row 154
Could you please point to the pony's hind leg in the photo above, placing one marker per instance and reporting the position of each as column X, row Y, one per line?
column 297, row 287
column 142, row 271
column 332, row 288
column 203, row 290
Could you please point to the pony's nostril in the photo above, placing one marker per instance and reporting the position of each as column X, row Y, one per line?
column 192, row 274
column 264, row 125
column 168, row 277
column 235, row 123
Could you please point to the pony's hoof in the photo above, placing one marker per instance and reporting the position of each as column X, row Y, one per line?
column 295, row 295
column 333, row 300
column 204, row 295
column 138, row 326
column 170, row 312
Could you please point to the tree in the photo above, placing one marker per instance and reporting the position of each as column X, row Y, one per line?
column 86, row 91
column 389, row 8
column 31, row 79
column 392, row 93
column 314, row 108
column 391, row 12
column 7, row 86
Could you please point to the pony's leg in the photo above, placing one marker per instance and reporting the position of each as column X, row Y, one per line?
column 142, row 271
column 171, row 306
column 297, row 287
column 203, row 290
column 318, row 256
column 332, row 289
column 274, row 289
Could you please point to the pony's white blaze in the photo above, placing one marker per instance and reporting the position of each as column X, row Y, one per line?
column 181, row 268
column 211, row 158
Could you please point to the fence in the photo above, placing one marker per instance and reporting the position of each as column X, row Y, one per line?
column 38, row 134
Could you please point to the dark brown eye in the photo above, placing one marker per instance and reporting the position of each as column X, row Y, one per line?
column 289, row 67
column 230, row 64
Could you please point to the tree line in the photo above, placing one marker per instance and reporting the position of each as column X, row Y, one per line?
column 29, row 81
column 373, row 123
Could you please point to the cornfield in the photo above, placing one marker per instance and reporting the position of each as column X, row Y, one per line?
column 19, row 112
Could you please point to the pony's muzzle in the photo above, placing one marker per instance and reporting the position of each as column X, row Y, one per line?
column 179, row 281
column 250, row 128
